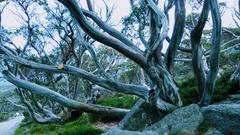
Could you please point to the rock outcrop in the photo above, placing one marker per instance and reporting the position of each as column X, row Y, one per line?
column 224, row 117
column 141, row 116
column 220, row 119
column 186, row 119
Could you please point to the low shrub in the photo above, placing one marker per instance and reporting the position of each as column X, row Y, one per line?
column 223, row 88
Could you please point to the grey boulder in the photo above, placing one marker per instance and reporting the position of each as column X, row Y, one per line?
column 224, row 117
column 183, row 119
column 141, row 116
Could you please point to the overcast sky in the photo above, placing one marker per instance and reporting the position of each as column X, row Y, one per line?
column 121, row 9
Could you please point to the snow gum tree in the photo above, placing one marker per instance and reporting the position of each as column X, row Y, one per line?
column 84, row 28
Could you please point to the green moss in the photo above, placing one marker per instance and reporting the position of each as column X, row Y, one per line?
column 118, row 101
column 124, row 101
column 81, row 126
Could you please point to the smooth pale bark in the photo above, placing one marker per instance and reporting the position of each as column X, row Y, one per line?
column 197, row 52
column 158, row 31
column 214, row 57
column 178, row 30
column 164, row 94
column 90, row 6
column 129, row 52
column 166, row 84
column 43, row 91
column 111, row 31
column 140, row 91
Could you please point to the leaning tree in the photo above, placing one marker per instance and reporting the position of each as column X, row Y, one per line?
column 160, row 91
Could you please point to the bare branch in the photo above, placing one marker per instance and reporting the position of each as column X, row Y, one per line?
column 158, row 20
column 101, row 37
column 91, row 108
column 67, row 69
column 111, row 31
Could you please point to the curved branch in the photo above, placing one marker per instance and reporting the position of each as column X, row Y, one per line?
column 184, row 49
column 43, row 91
column 111, row 31
column 142, row 92
column 90, row 6
column 158, row 20
column 180, row 14
column 197, row 52
column 214, row 61
column 101, row 37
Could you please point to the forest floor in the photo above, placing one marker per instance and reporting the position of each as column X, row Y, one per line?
column 9, row 127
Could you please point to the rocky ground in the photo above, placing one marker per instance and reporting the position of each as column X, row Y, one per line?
column 218, row 119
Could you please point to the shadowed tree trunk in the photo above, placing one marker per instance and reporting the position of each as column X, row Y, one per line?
column 206, row 80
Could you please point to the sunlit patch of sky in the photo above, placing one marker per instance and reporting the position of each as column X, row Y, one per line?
column 121, row 9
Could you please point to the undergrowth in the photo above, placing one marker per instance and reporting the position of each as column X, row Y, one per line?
column 81, row 126
column 223, row 88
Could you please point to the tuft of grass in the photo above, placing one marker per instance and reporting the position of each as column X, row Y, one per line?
column 118, row 101
column 123, row 101
column 81, row 126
